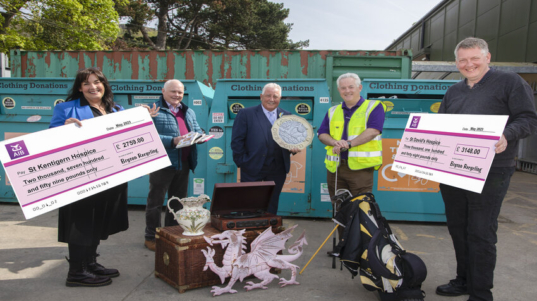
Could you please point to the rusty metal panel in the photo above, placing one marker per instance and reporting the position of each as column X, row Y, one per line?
column 204, row 65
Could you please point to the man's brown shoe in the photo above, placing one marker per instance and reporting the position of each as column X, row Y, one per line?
column 151, row 245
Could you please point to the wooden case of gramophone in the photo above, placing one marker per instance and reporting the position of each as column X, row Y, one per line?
column 237, row 206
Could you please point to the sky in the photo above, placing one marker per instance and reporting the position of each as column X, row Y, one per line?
column 353, row 24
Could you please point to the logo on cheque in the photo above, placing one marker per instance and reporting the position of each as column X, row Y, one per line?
column 17, row 149
column 415, row 122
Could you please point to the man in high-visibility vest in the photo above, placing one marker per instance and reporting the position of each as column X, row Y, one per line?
column 351, row 132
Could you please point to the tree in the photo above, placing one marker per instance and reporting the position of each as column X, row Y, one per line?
column 8, row 23
column 139, row 13
column 212, row 24
column 58, row 24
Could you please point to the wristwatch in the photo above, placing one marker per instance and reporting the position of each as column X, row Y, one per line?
column 349, row 144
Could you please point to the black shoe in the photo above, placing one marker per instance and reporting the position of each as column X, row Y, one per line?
column 454, row 288
column 332, row 254
column 79, row 275
column 99, row 269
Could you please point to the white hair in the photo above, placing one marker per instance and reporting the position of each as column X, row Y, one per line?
column 272, row 85
column 168, row 83
column 350, row 75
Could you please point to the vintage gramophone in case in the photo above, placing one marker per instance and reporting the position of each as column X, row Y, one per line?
column 237, row 206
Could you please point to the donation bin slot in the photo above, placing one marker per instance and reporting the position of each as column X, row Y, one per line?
column 404, row 197
column 235, row 104
column 302, row 107
column 304, row 193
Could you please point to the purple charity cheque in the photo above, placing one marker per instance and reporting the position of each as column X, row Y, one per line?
column 453, row 149
column 58, row 166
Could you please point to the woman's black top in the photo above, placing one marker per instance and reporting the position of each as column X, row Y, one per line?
column 94, row 218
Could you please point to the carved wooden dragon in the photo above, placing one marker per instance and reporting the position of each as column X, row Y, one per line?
column 263, row 256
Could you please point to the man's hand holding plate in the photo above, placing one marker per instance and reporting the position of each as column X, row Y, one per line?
column 295, row 151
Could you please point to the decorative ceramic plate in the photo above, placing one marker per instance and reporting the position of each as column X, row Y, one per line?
column 291, row 131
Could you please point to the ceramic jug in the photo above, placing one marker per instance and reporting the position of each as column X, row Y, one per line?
column 193, row 217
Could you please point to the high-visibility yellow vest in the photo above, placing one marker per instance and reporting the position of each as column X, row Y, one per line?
column 362, row 156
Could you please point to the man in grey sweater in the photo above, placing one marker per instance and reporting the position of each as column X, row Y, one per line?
column 472, row 218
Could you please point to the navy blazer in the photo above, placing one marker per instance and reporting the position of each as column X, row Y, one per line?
column 250, row 139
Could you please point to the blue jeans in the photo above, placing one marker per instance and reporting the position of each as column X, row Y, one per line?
column 175, row 183
column 472, row 221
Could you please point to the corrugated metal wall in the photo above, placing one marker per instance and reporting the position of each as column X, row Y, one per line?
column 509, row 27
column 207, row 66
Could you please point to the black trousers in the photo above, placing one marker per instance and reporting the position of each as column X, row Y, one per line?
column 275, row 171
column 78, row 253
column 472, row 221
column 167, row 180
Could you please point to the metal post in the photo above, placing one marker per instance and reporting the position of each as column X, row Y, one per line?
column 4, row 70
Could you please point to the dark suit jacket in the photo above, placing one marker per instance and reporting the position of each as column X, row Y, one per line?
column 250, row 139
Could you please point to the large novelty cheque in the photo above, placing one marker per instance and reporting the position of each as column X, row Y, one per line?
column 55, row 167
column 456, row 150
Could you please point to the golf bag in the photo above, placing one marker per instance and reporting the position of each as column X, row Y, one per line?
column 369, row 248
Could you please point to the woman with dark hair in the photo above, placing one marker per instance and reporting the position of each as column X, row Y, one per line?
column 83, row 224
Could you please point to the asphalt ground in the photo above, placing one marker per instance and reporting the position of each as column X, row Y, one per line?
column 33, row 265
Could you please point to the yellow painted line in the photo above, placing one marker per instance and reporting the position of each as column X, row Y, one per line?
column 429, row 236
column 523, row 206
column 417, row 252
column 525, row 226
column 517, row 231
column 400, row 234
